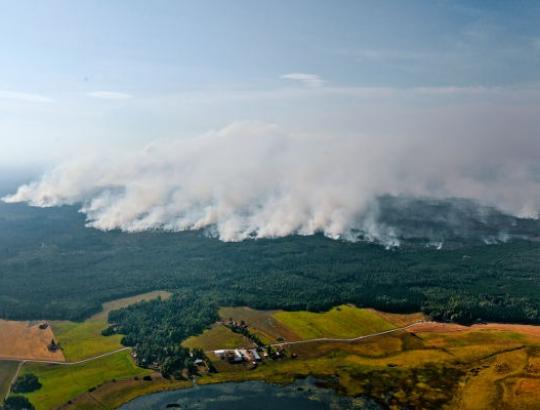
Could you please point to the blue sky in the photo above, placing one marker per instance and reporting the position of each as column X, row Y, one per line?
column 83, row 75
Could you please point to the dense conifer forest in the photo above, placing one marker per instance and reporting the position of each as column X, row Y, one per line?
column 52, row 267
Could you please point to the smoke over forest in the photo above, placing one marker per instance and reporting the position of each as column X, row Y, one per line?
column 255, row 180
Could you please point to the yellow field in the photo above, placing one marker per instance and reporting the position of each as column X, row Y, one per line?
column 25, row 340
column 344, row 321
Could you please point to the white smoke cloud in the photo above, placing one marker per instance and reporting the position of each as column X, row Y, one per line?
column 257, row 180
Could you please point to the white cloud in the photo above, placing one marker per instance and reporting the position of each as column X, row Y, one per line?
column 110, row 95
column 309, row 80
column 18, row 96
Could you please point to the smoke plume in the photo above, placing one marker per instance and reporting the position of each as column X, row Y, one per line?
column 254, row 180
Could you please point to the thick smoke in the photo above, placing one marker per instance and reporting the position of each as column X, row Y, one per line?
column 255, row 180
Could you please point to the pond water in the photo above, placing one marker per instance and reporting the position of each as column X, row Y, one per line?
column 301, row 395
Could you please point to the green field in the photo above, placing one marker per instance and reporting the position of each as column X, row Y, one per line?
column 81, row 340
column 7, row 371
column 344, row 321
column 217, row 337
column 61, row 383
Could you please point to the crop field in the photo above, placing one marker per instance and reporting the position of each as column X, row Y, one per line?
column 61, row 383
column 25, row 340
column 344, row 321
column 80, row 340
column 217, row 337
column 7, row 371
column 261, row 322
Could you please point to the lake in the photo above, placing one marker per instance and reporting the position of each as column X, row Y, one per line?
column 300, row 395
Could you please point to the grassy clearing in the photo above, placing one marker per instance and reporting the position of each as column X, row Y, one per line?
column 344, row 321
column 81, row 340
column 217, row 337
column 7, row 371
column 61, row 383
column 124, row 302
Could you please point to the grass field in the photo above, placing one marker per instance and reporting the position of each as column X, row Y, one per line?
column 7, row 371
column 344, row 321
column 217, row 337
column 61, row 383
column 80, row 340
